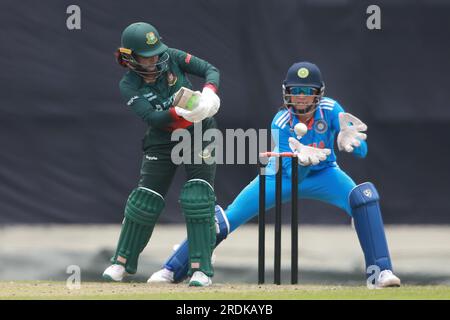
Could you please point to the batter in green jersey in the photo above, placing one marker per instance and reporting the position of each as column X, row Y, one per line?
column 155, row 75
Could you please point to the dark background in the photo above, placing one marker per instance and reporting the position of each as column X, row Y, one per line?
column 70, row 150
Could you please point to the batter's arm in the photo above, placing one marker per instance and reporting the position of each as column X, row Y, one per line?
column 198, row 67
column 146, row 111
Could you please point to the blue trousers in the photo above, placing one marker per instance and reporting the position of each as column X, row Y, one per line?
column 330, row 185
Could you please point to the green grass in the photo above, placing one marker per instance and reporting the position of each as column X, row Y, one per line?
column 103, row 290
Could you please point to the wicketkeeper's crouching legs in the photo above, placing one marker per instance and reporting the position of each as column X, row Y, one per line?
column 141, row 213
column 197, row 201
column 364, row 203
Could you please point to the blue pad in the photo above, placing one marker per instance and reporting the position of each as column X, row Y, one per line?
column 222, row 225
column 179, row 260
column 369, row 225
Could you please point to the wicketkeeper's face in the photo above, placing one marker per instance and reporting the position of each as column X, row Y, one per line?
column 300, row 100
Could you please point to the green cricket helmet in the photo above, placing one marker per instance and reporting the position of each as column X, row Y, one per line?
column 303, row 78
column 141, row 39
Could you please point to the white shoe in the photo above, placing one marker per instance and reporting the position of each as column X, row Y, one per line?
column 162, row 276
column 199, row 279
column 115, row 272
column 387, row 279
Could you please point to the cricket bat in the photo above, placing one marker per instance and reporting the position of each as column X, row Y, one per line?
column 186, row 98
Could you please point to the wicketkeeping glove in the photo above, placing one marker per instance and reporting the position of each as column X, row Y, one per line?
column 351, row 134
column 308, row 155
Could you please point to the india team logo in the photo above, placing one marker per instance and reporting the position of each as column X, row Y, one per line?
column 303, row 72
column 321, row 126
column 151, row 38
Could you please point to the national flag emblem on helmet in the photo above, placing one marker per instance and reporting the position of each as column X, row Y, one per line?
column 151, row 38
column 303, row 73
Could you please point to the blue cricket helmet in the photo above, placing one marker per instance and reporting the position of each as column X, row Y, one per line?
column 303, row 74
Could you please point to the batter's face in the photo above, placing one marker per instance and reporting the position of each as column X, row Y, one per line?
column 148, row 63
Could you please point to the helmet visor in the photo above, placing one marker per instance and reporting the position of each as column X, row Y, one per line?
column 308, row 91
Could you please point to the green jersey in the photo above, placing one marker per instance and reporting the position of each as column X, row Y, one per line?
column 152, row 102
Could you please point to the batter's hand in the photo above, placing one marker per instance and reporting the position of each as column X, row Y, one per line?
column 351, row 135
column 210, row 100
column 208, row 106
column 196, row 115
column 308, row 155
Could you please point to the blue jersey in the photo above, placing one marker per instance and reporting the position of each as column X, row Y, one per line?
column 322, row 130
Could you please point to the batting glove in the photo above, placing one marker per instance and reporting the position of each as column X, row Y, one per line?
column 198, row 114
column 211, row 101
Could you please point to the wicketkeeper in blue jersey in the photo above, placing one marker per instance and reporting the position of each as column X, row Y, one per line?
column 320, row 177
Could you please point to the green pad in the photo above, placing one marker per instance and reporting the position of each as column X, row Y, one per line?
column 141, row 213
column 197, row 200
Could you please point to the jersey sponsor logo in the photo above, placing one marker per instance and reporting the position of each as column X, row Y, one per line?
column 131, row 101
column 319, row 145
column 168, row 102
column 150, row 96
column 151, row 38
column 320, row 126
